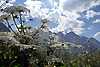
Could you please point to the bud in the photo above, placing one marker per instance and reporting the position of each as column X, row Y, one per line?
column 1, row 9
column 86, row 52
column 96, row 48
column 84, row 42
column 6, row 1
column 79, row 55
column 88, row 40
column 31, row 19
column 83, row 48
column 75, row 61
column 62, row 44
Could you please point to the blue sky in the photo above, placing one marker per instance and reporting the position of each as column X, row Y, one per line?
column 79, row 16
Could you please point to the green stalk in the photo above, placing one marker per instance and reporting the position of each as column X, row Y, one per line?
column 37, row 30
column 59, row 52
column 21, row 23
column 11, row 28
column 16, row 24
column 26, row 23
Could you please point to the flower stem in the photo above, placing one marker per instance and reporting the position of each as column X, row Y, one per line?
column 37, row 30
column 21, row 23
column 16, row 24
column 11, row 28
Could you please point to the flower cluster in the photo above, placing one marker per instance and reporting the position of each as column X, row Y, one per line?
column 15, row 9
column 5, row 17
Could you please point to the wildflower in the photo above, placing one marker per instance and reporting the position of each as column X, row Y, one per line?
column 84, row 42
column 30, row 54
column 86, row 52
column 62, row 44
column 83, row 54
column 70, row 44
column 83, row 51
column 54, row 66
column 31, row 19
column 15, row 9
column 59, row 45
column 75, row 61
column 83, row 48
column 29, row 27
column 5, row 17
column 88, row 45
column 45, row 21
column 88, row 40
column 96, row 48
column 98, row 62
column 88, row 60
column 15, row 17
column 5, row 56
column 10, row 57
column 40, row 31
column 70, row 52
column 51, row 37
column 79, row 46
column 0, row 51
column 85, row 64
column 99, row 52
column 79, row 55
column 45, row 28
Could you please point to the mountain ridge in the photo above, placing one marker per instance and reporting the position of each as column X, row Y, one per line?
column 79, row 40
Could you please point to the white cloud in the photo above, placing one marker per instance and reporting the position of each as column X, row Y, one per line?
column 90, row 27
column 97, row 35
column 91, row 14
column 96, row 21
column 3, row 4
column 34, row 7
column 79, row 5
column 66, row 21
column 12, row 1
column 51, row 2
column 71, row 15
column 63, row 12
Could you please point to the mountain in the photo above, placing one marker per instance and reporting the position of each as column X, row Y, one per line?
column 76, row 39
column 3, row 28
column 81, row 40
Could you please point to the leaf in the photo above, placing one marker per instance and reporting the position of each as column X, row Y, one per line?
column 13, row 61
column 16, row 57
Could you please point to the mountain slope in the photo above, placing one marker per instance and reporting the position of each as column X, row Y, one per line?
column 3, row 28
column 81, row 40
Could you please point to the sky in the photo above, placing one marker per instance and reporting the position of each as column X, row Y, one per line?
column 79, row 16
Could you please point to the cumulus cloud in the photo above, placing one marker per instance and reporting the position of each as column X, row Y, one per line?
column 64, row 19
column 79, row 5
column 96, row 21
column 35, row 8
column 90, row 27
column 63, row 12
column 91, row 14
column 12, row 1
column 97, row 35
column 3, row 4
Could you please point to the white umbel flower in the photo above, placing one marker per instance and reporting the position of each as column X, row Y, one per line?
column 45, row 21
column 5, row 17
column 16, row 9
